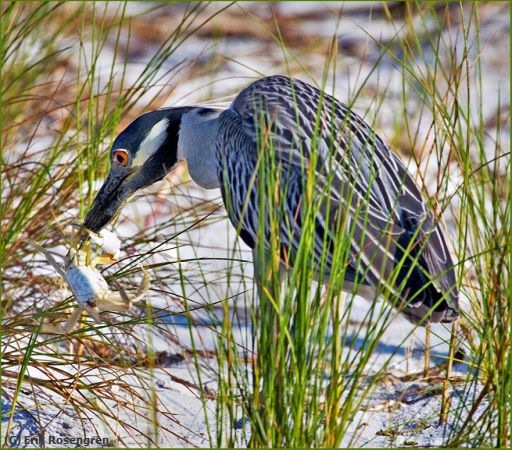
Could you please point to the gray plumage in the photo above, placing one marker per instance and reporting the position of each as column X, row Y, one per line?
column 357, row 180
column 387, row 213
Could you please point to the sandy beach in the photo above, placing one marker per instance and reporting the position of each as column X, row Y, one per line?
column 152, row 377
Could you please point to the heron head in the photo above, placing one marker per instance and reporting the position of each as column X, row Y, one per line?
column 141, row 155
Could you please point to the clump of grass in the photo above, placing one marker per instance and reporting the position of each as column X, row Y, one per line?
column 299, row 381
column 453, row 85
column 61, row 107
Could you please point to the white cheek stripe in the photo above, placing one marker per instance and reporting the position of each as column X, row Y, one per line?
column 151, row 143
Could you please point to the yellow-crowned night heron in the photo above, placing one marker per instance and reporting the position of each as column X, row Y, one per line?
column 222, row 150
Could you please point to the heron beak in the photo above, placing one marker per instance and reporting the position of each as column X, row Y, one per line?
column 108, row 201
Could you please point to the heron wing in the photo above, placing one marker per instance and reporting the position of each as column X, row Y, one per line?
column 358, row 173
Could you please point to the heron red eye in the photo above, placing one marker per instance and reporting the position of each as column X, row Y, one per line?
column 120, row 157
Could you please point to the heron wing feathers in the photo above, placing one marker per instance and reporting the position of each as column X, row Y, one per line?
column 356, row 175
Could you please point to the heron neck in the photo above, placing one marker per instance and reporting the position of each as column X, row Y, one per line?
column 196, row 145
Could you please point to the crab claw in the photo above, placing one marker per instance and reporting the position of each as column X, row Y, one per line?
column 107, row 241
column 125, row 301
column 81, row 237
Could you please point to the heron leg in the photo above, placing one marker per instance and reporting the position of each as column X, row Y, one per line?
column 263, row 274
column 426, row 367
column 259, row 273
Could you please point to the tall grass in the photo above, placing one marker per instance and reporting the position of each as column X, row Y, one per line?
column 300, row 381
column 63, row 99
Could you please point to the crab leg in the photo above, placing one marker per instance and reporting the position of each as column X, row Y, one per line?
column 119, row 301
column 47, row 328
column 72, row 321
column 50, row 259
column 113, row 302
column 143, row 286
column 92, row 312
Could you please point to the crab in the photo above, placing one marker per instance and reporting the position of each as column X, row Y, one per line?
column 88, row 285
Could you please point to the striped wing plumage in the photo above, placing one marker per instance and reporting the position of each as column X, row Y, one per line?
column 359, row 180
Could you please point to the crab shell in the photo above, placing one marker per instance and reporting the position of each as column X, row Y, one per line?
column 87, row 284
